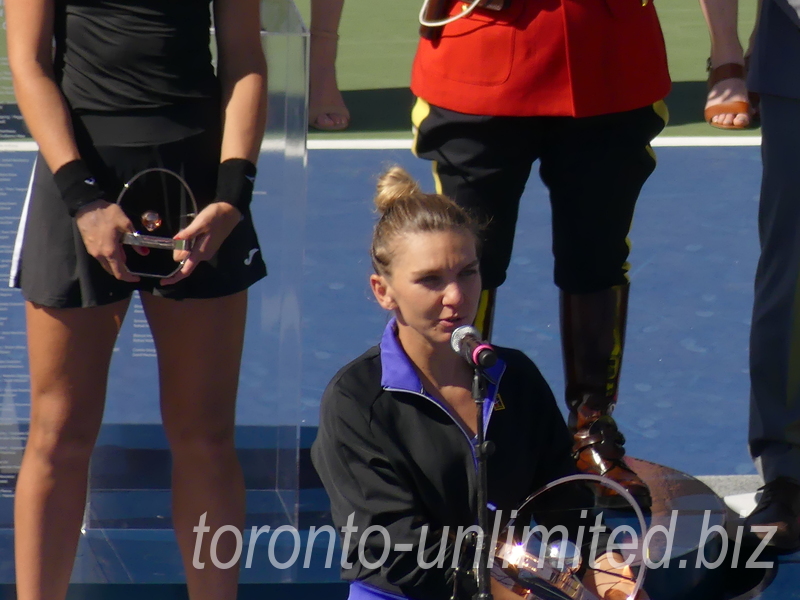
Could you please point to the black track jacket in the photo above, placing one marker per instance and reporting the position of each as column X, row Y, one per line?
column 390, row 455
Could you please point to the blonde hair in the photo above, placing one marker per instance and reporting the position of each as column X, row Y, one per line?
column 404, row 208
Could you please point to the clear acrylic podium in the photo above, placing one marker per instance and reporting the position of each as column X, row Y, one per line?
column 127, row 534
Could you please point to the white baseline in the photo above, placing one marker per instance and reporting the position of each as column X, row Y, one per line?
column 664, row 141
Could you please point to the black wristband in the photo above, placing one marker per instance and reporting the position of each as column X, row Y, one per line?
column 77, row 186
column 235, row 180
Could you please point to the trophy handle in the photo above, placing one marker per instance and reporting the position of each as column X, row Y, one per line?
column 153, row 241
column 622, row 492
column 190, row 214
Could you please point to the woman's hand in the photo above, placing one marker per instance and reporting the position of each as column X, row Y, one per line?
column 102, row 225
column 501, row 592
column 611, row 582
column 207, row 231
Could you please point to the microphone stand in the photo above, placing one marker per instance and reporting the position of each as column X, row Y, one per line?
column 483, row 450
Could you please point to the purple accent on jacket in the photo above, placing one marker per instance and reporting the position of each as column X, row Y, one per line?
column 362, row 591
column 398, row 372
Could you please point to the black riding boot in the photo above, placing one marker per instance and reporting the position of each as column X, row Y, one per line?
column 593, row 336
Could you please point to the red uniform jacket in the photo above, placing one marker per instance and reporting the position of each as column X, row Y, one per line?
column 546, row 57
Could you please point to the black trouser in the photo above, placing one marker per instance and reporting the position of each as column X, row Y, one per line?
column 594, row 168
column 775, row 334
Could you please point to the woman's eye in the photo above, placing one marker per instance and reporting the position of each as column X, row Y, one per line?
column 429, row 280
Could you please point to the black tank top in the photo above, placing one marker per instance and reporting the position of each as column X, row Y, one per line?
column 137, row 71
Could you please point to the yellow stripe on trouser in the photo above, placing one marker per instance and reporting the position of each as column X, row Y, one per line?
column 615, row 360
column 419, row 113
column 662, row 111
column 485, row 317
column 437, row 181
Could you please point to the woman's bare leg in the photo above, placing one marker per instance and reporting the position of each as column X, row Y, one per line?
column 326, row 14
column 327, row 109
column 199, row 345
column 69, row 353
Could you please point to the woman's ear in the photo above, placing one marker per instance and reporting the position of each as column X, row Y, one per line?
column 381, row 290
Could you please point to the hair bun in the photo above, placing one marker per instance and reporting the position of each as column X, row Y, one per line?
column 395, row 184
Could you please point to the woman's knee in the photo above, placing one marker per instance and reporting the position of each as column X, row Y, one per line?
column 213, row 445
column 61, row 444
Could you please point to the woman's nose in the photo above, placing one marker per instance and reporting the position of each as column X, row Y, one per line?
column 453, row 294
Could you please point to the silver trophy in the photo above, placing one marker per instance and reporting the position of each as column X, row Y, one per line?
column 535, row 566
column 159, row 203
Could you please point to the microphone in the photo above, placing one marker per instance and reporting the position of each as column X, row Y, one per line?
column 466, row 342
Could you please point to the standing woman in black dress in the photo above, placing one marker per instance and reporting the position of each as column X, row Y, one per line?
column 129, row 85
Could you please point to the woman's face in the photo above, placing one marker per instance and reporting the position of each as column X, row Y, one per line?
column 434, row 285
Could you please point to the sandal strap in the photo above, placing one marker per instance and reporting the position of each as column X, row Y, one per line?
column 726, row 108
column 723, row 72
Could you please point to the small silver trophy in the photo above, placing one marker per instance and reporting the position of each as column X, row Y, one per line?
column 159, row 203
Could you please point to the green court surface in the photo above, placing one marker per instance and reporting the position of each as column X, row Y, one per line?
column 378, row 40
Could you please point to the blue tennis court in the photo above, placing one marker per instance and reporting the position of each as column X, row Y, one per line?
column 684, row 396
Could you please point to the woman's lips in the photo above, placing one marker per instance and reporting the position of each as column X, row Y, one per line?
column 453, row 321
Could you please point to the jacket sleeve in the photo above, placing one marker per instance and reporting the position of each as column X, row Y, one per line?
column 390, row 535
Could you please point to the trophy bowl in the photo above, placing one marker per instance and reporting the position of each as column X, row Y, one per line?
column 541, row 554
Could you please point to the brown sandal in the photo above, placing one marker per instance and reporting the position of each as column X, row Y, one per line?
column 721, row 73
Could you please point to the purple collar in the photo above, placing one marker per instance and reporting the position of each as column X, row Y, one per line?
column 398, row 373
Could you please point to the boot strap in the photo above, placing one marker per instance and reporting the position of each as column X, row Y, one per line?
column 601, row 437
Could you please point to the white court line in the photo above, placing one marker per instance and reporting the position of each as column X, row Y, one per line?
column 700, row 141
column 405, row 143
column 660, row 142
column 382, row 144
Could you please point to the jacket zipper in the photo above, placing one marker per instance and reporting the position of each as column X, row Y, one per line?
column 447, row 412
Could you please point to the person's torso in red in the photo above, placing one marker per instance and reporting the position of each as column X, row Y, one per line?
column 546, row 58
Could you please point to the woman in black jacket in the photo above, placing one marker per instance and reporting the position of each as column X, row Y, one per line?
column 395, row 445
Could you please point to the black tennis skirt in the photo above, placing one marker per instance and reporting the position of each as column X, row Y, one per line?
column 52, row 266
